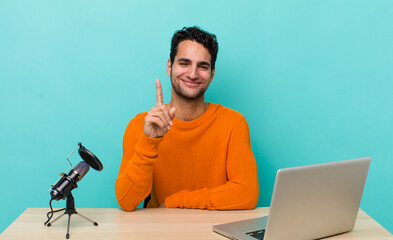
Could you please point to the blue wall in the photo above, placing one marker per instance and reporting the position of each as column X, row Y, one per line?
column 313, row 78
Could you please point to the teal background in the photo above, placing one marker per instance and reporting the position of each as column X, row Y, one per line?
column 313, row 79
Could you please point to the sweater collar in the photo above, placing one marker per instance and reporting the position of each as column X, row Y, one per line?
column 212, row 108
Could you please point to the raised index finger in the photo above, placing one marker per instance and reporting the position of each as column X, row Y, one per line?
column 160, row 99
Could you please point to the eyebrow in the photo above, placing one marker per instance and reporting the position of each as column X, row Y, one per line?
column 188, row 60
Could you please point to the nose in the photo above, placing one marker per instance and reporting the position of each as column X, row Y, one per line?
column 193, row 72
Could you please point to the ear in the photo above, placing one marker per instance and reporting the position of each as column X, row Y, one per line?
column 212, row 75
column 169, row 67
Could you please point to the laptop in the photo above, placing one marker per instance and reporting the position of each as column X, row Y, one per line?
column 308, row 202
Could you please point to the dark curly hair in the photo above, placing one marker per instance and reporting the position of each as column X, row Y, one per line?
column 208, row 40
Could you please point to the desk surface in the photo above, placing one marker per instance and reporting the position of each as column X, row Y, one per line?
column 157, row 223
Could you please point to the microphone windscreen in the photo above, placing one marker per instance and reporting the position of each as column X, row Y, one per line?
column 81, row 168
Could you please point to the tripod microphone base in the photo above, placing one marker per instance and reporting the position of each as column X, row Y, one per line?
column 70, row 210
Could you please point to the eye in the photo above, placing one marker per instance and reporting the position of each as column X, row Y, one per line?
column 204, row 67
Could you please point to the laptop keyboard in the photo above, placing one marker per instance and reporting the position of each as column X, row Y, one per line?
column 259, row 234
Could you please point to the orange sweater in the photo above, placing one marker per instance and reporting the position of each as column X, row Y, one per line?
column 203, row 163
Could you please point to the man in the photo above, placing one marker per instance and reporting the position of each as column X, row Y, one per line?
column 188, row 153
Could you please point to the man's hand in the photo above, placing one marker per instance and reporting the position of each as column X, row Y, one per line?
column 159, row 119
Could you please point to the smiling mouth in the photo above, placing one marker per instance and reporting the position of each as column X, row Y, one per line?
column 191, row 83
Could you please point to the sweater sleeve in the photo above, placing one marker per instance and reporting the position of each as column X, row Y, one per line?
column 241, row 190
column 135, row 178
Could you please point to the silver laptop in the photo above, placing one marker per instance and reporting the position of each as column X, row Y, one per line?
column 308, row 202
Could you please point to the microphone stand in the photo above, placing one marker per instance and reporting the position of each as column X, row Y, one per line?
column 69, row 210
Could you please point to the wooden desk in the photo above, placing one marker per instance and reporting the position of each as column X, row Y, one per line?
column 155, row 224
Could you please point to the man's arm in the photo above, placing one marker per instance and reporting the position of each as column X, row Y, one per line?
column 140, row 151
column 241, row 190
column 135, row 178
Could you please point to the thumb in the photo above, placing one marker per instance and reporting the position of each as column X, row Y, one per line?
column 172, row 112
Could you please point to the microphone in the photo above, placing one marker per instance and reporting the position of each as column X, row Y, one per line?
column 64, row 186
column 67, row 183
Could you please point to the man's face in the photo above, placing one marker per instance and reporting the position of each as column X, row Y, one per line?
column 191, row 71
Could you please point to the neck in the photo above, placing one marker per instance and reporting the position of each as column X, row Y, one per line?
column 188, row 110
